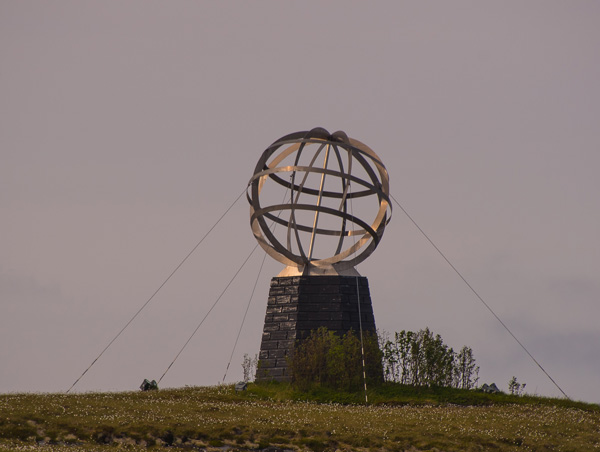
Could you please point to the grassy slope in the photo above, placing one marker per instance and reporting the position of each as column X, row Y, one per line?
column 397, row 418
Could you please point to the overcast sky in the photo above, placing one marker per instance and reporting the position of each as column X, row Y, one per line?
column 128, row 128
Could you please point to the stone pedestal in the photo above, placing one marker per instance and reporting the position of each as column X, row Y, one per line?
column 299, row 304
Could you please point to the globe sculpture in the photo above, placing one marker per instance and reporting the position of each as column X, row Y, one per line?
column 319, row 202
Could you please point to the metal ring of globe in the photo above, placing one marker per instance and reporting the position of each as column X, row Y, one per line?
column 366, row 236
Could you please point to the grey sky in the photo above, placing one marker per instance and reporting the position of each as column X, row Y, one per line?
column 127, row 128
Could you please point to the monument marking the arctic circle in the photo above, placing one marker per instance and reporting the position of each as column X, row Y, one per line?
column 319, row 203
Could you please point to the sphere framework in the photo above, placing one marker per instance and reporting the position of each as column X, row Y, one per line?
column 309, row 196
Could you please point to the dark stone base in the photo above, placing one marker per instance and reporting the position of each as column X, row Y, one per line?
column 299, row 304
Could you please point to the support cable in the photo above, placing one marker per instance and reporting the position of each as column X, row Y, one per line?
column 209, row 311
column 157, row 290
column 479, row 297
column 245, row 314
column 251, row 296
column 362, row 346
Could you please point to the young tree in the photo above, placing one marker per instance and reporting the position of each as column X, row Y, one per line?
column 466, row 371
column 309, row 362
column 326, row 359
column 403, row 346
column 416, row 359
column 516, row 388
column 422, row 359
column 437, row 360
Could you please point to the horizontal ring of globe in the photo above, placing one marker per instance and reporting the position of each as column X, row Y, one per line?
column 266, row 212
column 372, row 189
column 283, row 255
column 377, row 186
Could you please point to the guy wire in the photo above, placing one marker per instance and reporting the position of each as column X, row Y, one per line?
column 251, row 296
column 209, row 311
column 362, row 346
column 157, row 290
column 478, row 296
column 245, row 314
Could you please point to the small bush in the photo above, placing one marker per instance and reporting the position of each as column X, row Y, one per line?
column 329, row 360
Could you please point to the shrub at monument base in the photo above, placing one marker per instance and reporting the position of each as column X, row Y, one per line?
column 327, row 359
column 423, row 359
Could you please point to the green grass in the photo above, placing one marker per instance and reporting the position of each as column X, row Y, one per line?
column 396, row 394
column 397, row 418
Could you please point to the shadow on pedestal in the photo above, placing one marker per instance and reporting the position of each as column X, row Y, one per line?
column 300, row 304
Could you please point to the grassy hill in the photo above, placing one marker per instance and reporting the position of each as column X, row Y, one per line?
column 397, row 418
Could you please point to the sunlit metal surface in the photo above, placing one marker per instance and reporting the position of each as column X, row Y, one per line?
column 308, row 197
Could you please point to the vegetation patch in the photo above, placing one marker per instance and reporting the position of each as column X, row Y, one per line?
column 278, row 416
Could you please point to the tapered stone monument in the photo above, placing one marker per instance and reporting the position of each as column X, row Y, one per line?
column 319, row 204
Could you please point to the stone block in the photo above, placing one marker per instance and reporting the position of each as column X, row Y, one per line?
column 271, row 327
column 268, row 345
column 319, row 298
column 269, row 362
column 335, row 315
column 291, row 290
column 348, row 289
column 322, row 280
column 287, row 344
column 292, row 334
column 275, row 372
column 320, row 289
column 282, row 362
column 306, row 308
column 308, row 325
column 279, row 335
column 335, row 325
column 321, row 316
column 279, row 353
